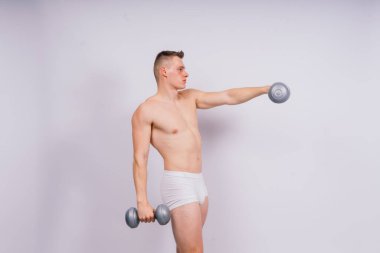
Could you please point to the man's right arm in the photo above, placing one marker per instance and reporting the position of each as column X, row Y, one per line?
column 141, row 134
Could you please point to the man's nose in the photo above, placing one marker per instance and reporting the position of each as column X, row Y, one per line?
column 186, row 74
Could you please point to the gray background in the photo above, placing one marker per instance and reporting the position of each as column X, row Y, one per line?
column 302, row 176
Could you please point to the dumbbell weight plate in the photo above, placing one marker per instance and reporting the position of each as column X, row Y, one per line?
column 131, row 218
column 279, row 93
column 162, row 214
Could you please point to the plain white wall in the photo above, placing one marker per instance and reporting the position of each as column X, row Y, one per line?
column 296, row 177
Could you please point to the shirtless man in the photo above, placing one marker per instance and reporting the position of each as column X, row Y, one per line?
column 168, row 120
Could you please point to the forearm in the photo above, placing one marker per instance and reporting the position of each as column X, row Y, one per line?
column 241, row 95
column 140, row 180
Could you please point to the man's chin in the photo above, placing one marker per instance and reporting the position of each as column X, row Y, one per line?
column 182, row 86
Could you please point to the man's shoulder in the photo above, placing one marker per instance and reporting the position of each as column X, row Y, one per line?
column 194, row 91
column 191, row 92
column 144, row 110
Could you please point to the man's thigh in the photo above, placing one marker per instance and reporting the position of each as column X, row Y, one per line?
column 187, row 227
column 204, row 210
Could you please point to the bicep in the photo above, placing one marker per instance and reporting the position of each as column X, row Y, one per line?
column 141, row 134
column 206, row 100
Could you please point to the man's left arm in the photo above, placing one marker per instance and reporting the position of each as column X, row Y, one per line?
column 206, row 100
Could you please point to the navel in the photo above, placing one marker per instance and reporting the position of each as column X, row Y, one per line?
column 175, row 131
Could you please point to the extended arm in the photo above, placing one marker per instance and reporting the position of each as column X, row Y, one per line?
column 206, row 100
column 141, row 133
column 241, row 95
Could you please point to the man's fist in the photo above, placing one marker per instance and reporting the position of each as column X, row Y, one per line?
column 145, row 212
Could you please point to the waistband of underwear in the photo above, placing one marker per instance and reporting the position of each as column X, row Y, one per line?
column 182, row 174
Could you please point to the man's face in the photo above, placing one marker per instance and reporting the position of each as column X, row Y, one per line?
column 176, row 73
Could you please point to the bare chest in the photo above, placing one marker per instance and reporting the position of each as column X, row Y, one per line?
column 174, row 119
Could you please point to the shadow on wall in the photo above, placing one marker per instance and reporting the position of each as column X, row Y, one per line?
column 217, row 130
column 213, row 126
column 83, row 168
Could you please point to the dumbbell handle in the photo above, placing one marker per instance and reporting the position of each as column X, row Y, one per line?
column 161, row 213
column 154, row 214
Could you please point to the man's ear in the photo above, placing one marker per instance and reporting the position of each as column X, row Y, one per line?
column 163, row 71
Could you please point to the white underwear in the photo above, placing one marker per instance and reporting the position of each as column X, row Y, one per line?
column 179, row 188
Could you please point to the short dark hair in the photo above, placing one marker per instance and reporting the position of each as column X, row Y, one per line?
column 164, row 55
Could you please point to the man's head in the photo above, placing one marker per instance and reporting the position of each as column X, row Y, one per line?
column 168, row 67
